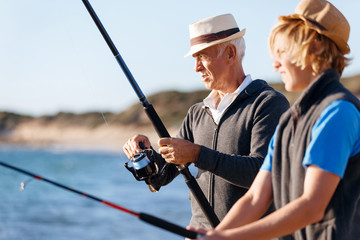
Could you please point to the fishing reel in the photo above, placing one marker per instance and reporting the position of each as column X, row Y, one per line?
column 143, row 165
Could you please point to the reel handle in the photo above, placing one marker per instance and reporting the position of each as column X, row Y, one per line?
column 142, row 145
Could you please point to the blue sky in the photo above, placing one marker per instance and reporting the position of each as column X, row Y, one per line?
column 53, row 58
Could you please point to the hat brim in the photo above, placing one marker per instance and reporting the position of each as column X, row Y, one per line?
column 198, row 47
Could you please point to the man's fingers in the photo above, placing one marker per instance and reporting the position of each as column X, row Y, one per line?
column 166, row 150
column 126, row 151
column 164, row 142
column 131, row 147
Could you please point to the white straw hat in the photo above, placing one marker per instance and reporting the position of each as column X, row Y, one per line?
column 211, row 31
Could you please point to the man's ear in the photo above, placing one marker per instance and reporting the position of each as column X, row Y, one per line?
column 231, row 53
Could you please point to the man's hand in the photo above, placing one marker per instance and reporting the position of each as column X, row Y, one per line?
column 208, row 234
column 178, row 151
column 131, row 147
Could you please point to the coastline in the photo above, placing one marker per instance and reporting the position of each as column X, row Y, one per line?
column 100, row 138
column 88, row 131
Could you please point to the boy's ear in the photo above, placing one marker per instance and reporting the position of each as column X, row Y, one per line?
column 317, row 48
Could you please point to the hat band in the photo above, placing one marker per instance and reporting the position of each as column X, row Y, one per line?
column 321, row 27
column 206, row 38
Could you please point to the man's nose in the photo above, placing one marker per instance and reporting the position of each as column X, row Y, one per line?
column 198, row 65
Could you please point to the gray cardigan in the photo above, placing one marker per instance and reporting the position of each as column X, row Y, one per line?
column 232, row 151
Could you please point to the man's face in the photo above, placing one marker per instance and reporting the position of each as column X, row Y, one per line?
column 212, row 67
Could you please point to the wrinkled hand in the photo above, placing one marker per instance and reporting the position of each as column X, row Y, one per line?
column 131, row 147
column 178, row 151
column 208, row 234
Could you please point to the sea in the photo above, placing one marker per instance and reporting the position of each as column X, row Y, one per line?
column 42, row 211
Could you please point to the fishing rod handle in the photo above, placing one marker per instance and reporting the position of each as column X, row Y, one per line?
column 200, row 197
column 168, row 226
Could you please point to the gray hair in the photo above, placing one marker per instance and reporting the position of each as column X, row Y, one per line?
column 239, row 43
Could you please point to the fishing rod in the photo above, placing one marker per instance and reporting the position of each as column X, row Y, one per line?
column 156, row 121
column 142, row 216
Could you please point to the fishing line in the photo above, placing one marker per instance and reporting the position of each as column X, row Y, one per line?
column 106, row 122
column 142, row 216
column 75, row 52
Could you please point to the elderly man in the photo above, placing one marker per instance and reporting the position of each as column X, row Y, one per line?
column 226, row 135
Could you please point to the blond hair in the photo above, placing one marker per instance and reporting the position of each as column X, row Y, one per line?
column 300, row 46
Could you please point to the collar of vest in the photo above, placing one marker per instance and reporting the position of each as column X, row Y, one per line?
column 315, row 90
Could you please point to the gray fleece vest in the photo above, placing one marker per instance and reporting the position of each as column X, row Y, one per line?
column 342, row 216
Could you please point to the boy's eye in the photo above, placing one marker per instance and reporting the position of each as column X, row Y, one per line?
column 279, row 52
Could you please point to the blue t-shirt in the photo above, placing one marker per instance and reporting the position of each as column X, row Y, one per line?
column 335, row 138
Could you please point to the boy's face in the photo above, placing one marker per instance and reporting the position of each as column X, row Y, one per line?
column 294, row 78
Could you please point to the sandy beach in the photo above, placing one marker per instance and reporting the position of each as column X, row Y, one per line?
column 103, row 137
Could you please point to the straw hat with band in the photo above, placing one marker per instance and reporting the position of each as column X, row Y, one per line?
column 324, row 18
column 211, row 31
